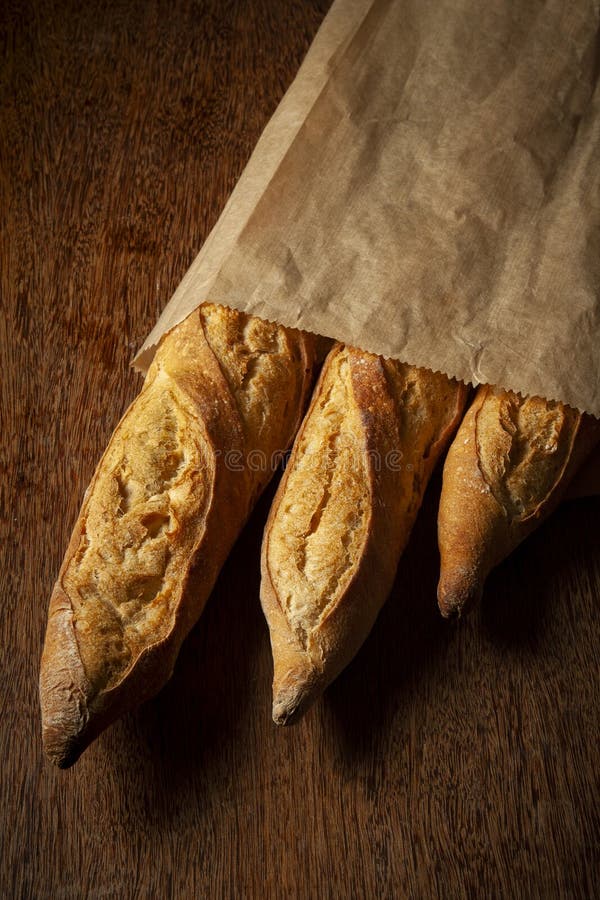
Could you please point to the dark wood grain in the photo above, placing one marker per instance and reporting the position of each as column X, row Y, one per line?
column 446, row 761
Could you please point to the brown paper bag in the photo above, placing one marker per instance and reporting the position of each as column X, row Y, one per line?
column 429, row 189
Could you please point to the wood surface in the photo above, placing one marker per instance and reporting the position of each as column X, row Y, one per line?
column 447, row 761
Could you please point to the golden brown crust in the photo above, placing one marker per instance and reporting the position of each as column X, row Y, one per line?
column 508, row 467
column 186, row 463
column 343, row 513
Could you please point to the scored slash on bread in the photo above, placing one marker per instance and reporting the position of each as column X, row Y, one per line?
column 508, row 467
column 343, row 513
column 167, row 501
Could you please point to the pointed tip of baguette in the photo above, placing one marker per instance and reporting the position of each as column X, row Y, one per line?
column 64, row 736
column 294, row 694
column 458, row 591
column 62, row 750
column 65, row 717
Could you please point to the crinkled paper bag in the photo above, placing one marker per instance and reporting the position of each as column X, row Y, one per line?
column 429, row 189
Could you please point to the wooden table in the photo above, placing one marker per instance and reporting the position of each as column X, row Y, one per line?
column 447, row 761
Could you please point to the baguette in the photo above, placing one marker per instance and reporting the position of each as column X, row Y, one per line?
column 165, row 505
column 343, row 513
column 508, row 467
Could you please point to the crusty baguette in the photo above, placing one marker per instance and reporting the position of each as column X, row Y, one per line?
column 164, row 507
column 343, row 513
column 508, row 467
